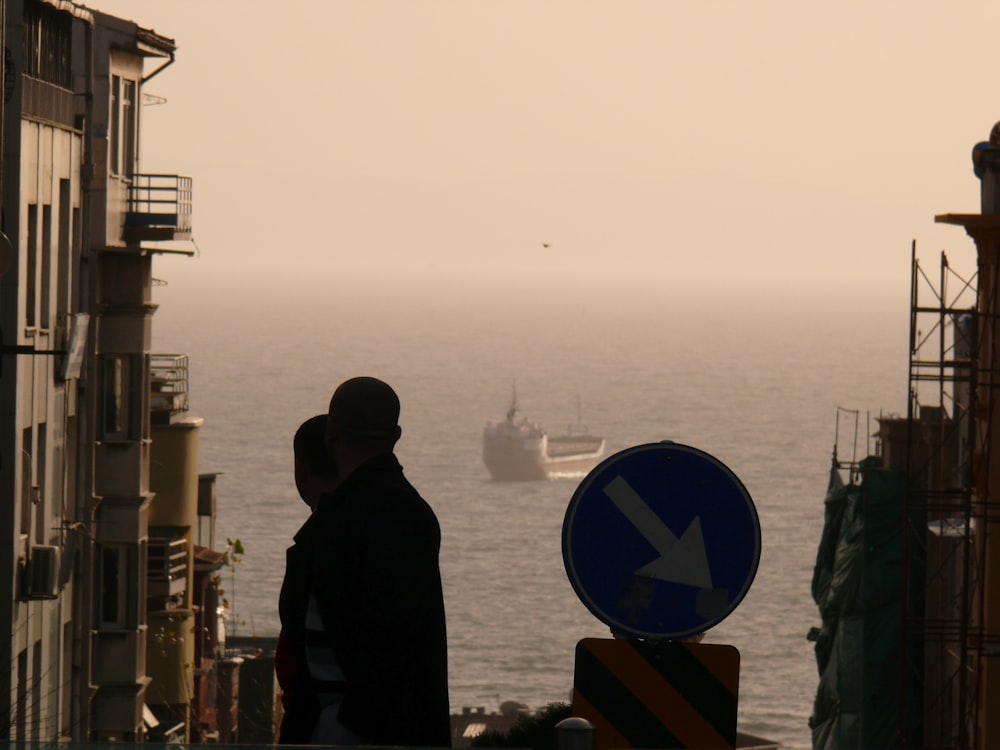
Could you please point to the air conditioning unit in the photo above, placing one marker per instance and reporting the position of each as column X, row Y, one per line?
column 42, row 573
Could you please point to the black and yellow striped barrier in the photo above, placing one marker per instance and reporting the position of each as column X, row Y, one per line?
column 667, row 694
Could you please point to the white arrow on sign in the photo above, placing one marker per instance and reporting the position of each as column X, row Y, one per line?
column 681, row 560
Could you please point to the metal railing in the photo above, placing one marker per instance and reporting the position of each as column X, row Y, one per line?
column 168, row 383
column 167, row 570
column 160, row 203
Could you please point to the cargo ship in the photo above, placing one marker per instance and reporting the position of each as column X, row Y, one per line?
column 517, row 449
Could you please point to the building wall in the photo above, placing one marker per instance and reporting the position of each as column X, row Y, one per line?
column 120, row 402
column 10, row 439
column 44, row 420
column 75, row 445
column 49, row 488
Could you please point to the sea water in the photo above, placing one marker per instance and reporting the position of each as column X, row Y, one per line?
column 753, row 377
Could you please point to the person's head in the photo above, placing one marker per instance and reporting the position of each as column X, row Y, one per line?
column 363, row 420
column 315, row 468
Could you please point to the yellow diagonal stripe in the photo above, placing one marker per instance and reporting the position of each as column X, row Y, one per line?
column 606, row 735
column 662, row 699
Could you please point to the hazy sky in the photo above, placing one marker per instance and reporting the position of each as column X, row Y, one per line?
column 640, row 139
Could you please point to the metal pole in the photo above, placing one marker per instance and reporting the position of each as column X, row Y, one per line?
column 575, row 733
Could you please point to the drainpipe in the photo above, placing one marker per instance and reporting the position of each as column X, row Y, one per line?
column 86, row 501
column 138, row 105
column 167, row 64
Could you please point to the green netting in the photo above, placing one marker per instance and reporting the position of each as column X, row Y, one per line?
column 856, row 586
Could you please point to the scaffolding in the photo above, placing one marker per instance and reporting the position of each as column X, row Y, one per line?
column 943, row 570
column 853, row 465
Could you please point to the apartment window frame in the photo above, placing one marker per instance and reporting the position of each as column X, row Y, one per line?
column 113, row 582
column 113, row 396
column 123, row 128
column 114, row 129
column 47, row 44
column 45, row 263
column 124, row 401
column 64, row 242
column 128, row 113
column 121, row 585
column 31, row 268
column 38, row 489
column 27, row 479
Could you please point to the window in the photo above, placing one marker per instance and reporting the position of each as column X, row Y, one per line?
column 124, row 396
column 21, row 713
column 42, row 529
column 37, row 709
column 66, row 709
column 122, row 585
column 128, row 127
column 31, row 283
column 47, row 44
column 113, row 579
column 45, row 297
column 64, row 240
column 115, row 123
column 123, row 126
column 27, row 479
column 114, row 395
column 140, row 558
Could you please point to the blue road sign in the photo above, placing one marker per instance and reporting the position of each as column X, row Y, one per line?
column 661, row 541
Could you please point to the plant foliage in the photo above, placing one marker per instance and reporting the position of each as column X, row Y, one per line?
column 536, row 731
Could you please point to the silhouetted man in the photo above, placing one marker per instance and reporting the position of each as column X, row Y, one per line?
column 377, row 584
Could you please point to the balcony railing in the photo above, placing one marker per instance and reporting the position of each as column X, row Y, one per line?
column 168, row 386
column 159, row 208
column 167, row 571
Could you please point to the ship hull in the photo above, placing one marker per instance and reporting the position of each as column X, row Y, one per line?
column 511, row 460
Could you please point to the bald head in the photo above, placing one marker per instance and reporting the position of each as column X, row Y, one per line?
column 364, row 410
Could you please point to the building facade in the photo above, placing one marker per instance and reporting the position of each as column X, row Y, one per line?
column 81, row 227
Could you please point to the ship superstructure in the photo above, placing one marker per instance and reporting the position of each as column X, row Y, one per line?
column 517, row 449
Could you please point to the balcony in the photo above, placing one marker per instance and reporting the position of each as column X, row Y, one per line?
column 159, row 208
column 168, row 386
column 167, row 572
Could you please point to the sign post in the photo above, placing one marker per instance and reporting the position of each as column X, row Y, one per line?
column 661, row 542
